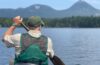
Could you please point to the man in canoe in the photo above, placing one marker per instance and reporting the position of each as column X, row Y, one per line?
column 31, row 48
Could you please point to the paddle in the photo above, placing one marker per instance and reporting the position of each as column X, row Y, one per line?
column 27, row 29
column 55, row 60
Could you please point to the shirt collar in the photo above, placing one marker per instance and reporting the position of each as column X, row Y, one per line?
column 33, row 34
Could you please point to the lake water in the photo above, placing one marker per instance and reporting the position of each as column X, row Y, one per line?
column 75, row 46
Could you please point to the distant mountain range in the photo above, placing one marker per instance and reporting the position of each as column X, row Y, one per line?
column 80, row 8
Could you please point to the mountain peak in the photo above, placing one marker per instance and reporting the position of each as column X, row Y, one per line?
column 38, row 6
column 81, row 4
column 81, row 0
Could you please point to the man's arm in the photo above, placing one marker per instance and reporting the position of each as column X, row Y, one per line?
column 50, row 51
column 10, row 30
column 17, row 21
column 8, row 35
column 54, row 59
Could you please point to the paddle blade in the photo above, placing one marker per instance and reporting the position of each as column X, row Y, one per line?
column 57, row 61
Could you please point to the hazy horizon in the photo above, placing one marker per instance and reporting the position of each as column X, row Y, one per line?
column 55, row 4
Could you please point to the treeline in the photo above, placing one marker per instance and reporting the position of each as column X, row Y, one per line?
column 84, row 22
column 77, row 22
column 5, row 22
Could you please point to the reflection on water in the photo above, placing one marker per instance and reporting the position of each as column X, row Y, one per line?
column 73, row 46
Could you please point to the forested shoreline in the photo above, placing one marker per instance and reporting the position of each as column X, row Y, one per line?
column 74, row 22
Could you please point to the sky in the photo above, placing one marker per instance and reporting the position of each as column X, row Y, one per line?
column 56, row 4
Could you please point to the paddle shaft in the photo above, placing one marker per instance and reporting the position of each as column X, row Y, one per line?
column 27, row 29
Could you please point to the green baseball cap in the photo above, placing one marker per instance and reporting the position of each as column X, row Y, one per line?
column 35, row 21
